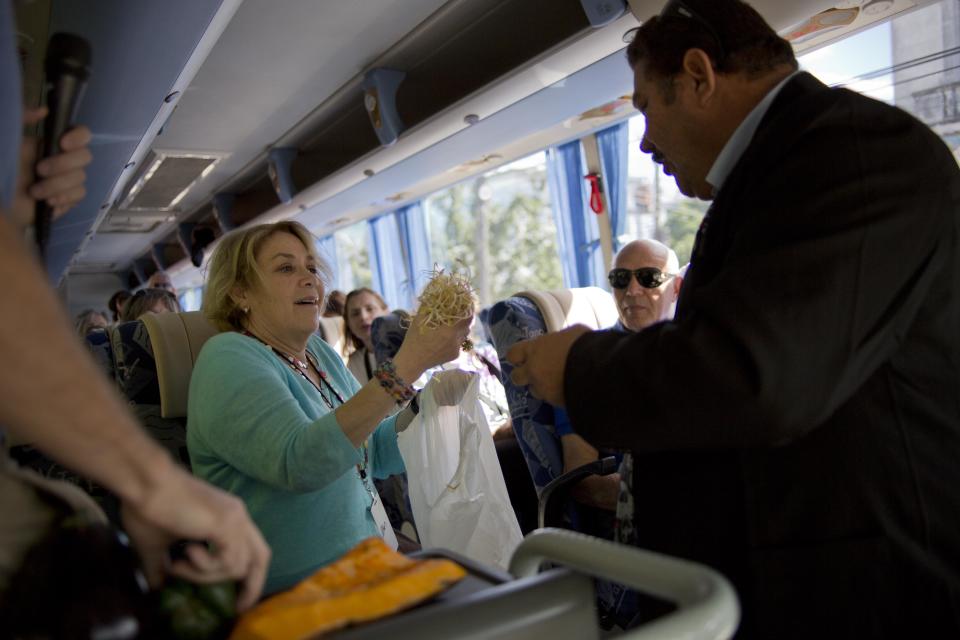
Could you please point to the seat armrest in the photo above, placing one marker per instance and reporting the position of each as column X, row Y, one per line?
column 553, row 495
column 707, row 605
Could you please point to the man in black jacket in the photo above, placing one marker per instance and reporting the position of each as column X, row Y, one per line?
column 801, row 423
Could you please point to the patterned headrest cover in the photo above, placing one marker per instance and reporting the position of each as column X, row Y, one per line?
column 387, row 333
column 527, row 315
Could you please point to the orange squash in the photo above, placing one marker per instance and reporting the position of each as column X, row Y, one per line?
column 369, row 582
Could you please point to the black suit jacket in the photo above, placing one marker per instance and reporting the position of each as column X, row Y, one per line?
column 798, row 425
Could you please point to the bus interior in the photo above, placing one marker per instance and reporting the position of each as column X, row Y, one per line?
column 209, row 115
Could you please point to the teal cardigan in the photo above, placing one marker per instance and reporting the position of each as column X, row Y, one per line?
column 261, row 431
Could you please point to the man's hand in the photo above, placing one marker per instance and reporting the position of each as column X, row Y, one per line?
column 187, row 508
column 58, row 179
column 539, row 363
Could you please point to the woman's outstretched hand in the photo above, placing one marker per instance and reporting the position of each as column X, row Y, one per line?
column 424, row 347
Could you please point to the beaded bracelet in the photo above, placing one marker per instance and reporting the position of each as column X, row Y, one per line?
column 392, row 383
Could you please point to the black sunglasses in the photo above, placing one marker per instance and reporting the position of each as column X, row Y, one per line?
column 680, row 9
column 647, row 277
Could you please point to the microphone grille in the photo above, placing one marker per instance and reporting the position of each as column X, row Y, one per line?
column 68, row 53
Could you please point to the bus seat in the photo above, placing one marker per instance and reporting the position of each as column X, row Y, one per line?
column 176, row 339
column 526, row 315
column 529, row 314
column 126, row 352
column 331, row 330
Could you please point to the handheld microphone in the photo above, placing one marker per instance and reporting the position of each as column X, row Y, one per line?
column 67, row 69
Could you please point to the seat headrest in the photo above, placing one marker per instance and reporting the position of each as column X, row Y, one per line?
column 387, row 333
column 176, row 339
column 562, row 308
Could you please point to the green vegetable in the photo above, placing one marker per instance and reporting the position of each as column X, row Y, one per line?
column 198, row 612
column 222, row 598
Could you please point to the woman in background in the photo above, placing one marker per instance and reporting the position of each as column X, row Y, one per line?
column 362, row 307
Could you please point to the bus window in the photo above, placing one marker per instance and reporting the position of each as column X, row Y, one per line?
column 499, row 227
column 191, row 299
column 352, row 270
column 655, row 208
column 860, row 62
column 912, row 61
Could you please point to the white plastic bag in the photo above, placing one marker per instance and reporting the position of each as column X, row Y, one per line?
column 456, row 488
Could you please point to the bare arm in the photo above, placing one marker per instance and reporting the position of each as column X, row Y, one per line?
column 52, row 395
column 361, row 414
column 596, row 491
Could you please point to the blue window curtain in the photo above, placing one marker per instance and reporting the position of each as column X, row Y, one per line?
column 579, row 240
column 413, row 229
column 386, row 261
column 327, row 248
column 613, row 143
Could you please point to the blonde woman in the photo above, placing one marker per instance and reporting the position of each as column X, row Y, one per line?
column 276, row 418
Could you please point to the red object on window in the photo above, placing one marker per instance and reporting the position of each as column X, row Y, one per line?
column 596, row 201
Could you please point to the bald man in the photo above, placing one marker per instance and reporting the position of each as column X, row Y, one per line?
column 646, row 283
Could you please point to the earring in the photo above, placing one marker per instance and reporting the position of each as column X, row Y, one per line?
column 245, row 310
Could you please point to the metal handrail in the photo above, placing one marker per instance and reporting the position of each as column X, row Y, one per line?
column 707, row 605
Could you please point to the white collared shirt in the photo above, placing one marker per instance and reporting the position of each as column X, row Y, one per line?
column 740, row 140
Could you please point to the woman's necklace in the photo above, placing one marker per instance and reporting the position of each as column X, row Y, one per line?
column 303, row 368
column 294, row 360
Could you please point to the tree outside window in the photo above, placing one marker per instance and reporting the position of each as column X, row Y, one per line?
column 353, row 259
column 499, row 228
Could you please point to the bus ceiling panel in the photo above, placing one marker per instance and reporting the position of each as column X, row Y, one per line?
column 781, row 14
column 810, row 24
column 139, row 52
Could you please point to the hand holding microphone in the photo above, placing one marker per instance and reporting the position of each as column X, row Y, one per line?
column 60, row 174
